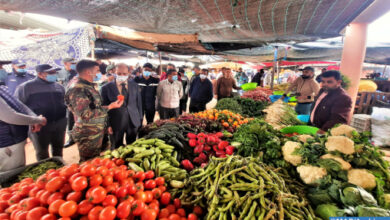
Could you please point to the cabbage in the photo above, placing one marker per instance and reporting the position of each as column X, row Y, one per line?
column 354, row 196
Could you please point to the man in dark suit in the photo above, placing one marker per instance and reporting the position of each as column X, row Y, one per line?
column 128, row 118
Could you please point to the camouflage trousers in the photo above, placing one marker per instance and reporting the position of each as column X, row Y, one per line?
column 91, row 141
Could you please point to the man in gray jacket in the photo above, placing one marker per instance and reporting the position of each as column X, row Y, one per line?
column 46, row 97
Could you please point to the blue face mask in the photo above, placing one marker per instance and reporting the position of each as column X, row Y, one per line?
column 147, row 73
column 51, row 78
column 174, row 78
column 97, row 77
column 21, row 70
column 73, row 66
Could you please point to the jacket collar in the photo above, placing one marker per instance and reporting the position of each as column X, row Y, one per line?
column 81, row 80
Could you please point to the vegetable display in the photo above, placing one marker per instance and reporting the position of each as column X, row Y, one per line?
column 244, row 188
column 280, row 115
column 229, row 104
column 100, row 189
column 258, row 94
column 230, row 121
column 151, row 154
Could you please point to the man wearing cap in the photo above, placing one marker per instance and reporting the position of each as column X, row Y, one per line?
column 44, row 96
column 18, row 76
column 68, row 72
column 306, row 88
column 85, row 102
column 148, row 85
column 3, row 72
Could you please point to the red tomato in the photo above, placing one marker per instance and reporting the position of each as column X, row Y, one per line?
column 112, row 188
column 97, row 161
column 49, row 217
column 44, row 197
column 127, row 182
column 139, row 186
column 80, row 183
column 73, row 177
column 181, row 212
column 98, row 195
column 150, row 184
column 33, row 191
column 69, row 170
column 4, row 205
column 21, row 215
column 14, row 199
column 36, row 213
column 5, row 196
column 155, row 207
column 149, row 174
column 156, row 193
column 160, row 181
column 165, row 198
column 53, row 174
column 140, row 196
column 102, row 171
column 108, row 213
column 131, row 189
column 84, row 207
column 177, row 203
column 120, row 175
column 25, row 190
column 55, row 206
column 95, row 180
column 171, row 208
column 67, row 209
column 163, row 188
column 66, row 189
column 198, row 210
column 149, row 196
column 138, row 207
column 110, row 200
column 11, row 208
column 123, row 209
column 119, row 162
column 149, row 214
column 121, row 192
column 130, row 173
column 139, row 176
column 192, row 216
column 174, row 217
column 108, row 180
column 88, row 170
column 4, row 216
column 164, row 213
column 55, row 196
column 94, row 213
column 74, row 196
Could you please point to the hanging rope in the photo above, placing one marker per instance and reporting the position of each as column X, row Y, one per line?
column 342, row 12
column 312, row 15
column 272, row 17
column 326, row 15
column 299, row 16
column 246, row 16
column 259, row 16
column 285, row 16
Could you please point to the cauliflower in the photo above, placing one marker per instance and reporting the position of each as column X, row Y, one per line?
column 340, row 143
column 310, row 174
column 342, row 130
column 362, row 178
column 344, row 164
column 288, row 149
column 304, row 137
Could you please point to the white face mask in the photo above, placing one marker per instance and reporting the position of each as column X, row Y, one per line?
column 121, row 78
column 202, row 76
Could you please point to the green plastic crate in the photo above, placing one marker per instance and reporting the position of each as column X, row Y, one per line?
column 300, row 129
column 248, row 86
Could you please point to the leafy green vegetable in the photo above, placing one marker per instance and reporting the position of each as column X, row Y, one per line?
column 363, row 211
column 325, row 211
column 311, row 153
column 250, row 107
column 354, row 196
column 229, row 104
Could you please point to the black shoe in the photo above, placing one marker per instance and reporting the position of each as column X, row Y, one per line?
column 69, row 143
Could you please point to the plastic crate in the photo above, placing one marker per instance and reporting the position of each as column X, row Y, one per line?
column 11, row 175
column 361, row 122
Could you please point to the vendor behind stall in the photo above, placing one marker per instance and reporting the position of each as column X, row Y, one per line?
column 332, row 105
column 306, row 89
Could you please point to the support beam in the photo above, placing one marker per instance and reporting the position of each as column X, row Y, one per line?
column 352, row 59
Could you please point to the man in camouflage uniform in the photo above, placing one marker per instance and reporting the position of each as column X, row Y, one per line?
column 84, row 101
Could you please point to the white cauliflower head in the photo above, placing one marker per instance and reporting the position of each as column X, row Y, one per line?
column 288, row 153
column 304, row 137
column 362, row 178
column 342, row 130
column 340, row 143
column 310, row 174
column 344, row 164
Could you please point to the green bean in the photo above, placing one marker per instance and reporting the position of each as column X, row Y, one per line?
column 251, row 211
column 246, row 208
column 270, row 214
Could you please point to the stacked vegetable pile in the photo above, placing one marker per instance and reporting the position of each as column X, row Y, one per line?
column 229, row 120
column 258, row 94
column 344, row 171
column 244, row 106
column 280, row 115
column 244, row 188
column 100, row 189
column 151, row 154
column 279, row 87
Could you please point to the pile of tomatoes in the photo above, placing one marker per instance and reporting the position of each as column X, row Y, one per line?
column 100, row 189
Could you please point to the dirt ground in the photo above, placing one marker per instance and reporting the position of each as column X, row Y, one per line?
column 71, row 154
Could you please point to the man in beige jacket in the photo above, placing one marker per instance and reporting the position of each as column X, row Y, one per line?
column 306, row 88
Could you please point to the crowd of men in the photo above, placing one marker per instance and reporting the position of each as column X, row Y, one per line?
column 82, row 100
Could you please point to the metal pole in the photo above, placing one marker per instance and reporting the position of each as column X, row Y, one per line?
column 159, row 58
column 274, row 67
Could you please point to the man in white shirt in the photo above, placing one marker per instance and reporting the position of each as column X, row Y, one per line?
column 169, row 92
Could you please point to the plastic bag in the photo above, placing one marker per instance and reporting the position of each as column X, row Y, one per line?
column 380, row 126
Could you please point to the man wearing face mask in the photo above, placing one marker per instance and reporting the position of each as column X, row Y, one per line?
column 148, row 85
column 44, row 96
column 306, row 89
column 164, row 75
column 68, row 72
column 85, row 102
column 3, row 72
column 18, row 76
column 126, row 120
column 184, row 99
column 201, row 92
column 196, row 74
column 332, row 105
column 169, row 92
